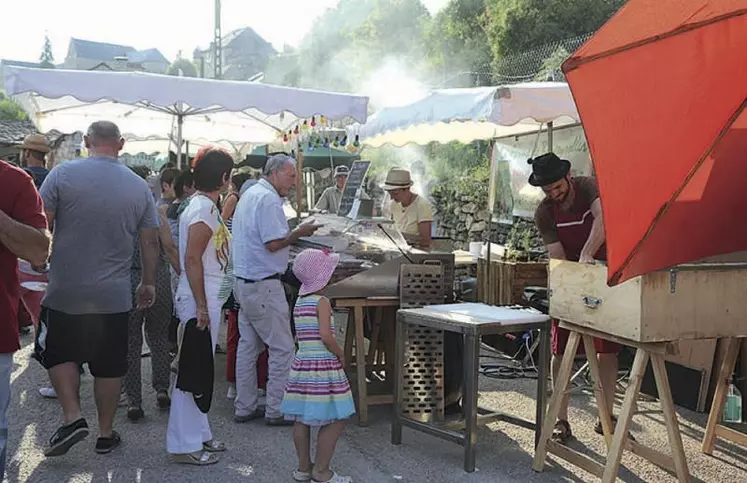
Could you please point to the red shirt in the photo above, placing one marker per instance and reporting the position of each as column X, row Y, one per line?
column 19, row 200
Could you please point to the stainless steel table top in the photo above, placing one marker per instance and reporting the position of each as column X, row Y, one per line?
column 476, row 318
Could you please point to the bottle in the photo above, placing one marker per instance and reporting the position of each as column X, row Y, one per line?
column 733, row 406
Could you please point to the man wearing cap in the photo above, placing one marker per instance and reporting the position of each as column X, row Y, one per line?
column 33, row 151
column 412, row 214
column 570, row 222
column 23, row 234
column 331, row 197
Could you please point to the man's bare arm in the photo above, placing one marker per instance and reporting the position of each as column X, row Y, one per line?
column 596, row 237
column 149, row 255
column 424, row 234
column 24, row 241
column 305, row 229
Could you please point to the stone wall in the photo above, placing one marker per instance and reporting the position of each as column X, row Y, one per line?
column 461, row 206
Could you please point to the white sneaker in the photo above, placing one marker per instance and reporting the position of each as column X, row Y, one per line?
column 231, row 392
column 48, row 392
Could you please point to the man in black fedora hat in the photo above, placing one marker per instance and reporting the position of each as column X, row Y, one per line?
column 570, row 222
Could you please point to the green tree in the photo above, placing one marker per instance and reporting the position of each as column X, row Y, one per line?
column 46, row 58
column 457, row 45
column 182, row 67
column 10, row 111
column 520, row 25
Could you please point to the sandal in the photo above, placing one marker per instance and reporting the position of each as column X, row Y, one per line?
column 214, row 446
column 299, row 475
column 562, row 432
column 336, row 479
column 197, row 459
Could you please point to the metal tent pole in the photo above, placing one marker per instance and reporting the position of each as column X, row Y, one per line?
column 179, row 123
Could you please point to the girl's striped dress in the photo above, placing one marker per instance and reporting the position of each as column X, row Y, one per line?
column 317, row 392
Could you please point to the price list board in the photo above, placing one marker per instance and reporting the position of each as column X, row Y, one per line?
column 352, row 185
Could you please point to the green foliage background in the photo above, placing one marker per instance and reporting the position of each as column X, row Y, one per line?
column 460, row 46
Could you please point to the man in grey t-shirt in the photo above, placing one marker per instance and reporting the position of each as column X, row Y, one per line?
column 95, row 207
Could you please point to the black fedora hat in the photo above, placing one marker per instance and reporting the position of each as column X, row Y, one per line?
column 548, row 169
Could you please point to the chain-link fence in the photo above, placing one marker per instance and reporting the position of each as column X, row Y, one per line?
column 539, row 64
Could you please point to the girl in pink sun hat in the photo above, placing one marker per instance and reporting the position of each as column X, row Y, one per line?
column 317, row 393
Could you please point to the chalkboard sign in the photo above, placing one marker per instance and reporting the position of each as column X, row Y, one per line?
column 354, row 182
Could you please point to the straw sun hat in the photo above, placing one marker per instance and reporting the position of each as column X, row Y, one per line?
column 35, row 142
column 314, row 269
column 397, row 179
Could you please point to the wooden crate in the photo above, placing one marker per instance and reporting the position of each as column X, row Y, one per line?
column 508, row 280
column 686, row 303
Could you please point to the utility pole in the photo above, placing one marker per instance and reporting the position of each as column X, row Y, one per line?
column 217, row 46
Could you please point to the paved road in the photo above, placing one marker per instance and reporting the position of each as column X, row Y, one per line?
column 261, row 454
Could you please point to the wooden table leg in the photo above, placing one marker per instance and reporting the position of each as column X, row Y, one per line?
column 614, row 454
column 604, row 413
column 375, row 335
column 542, row 371
column 360, row 366
column 471, row 374
column 559, row 388
column 719, row 397
column 670, row 417
column 349, row 340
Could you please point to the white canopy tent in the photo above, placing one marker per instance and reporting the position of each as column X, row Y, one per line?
column 151, row 106
column 472, row 114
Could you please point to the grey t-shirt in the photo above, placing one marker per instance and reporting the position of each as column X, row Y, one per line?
column 99, row 205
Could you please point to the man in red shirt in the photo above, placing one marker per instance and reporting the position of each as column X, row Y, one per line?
column 23, row 234
column 570, row 222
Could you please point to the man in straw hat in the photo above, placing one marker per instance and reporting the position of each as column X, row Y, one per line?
column 33, row 152
column 412, row 214
column 570, row 222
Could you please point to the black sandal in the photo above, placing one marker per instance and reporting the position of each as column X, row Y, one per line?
column 562, row 432
column 107, row 445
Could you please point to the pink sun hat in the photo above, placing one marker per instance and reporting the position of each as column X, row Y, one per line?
column 314, row 269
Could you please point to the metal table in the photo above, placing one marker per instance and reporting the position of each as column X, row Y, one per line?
column 472, row 320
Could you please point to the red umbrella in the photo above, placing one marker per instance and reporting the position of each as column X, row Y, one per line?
column 661, row 90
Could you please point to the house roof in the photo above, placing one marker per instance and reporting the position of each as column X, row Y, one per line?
column 99, row 50
column 13, row 132
column 234, row 34
column 148, row 55
column 88, row 49
column 19, row 63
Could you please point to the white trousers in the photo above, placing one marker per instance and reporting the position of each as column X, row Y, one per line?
column 263, row 319
column 188, row 426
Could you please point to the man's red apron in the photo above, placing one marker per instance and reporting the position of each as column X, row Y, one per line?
column 573, row 230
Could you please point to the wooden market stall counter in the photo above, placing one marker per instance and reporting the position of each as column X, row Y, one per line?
column 650, row 313
column 379, row 357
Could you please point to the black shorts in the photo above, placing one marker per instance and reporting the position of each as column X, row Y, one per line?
column 97, row 339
